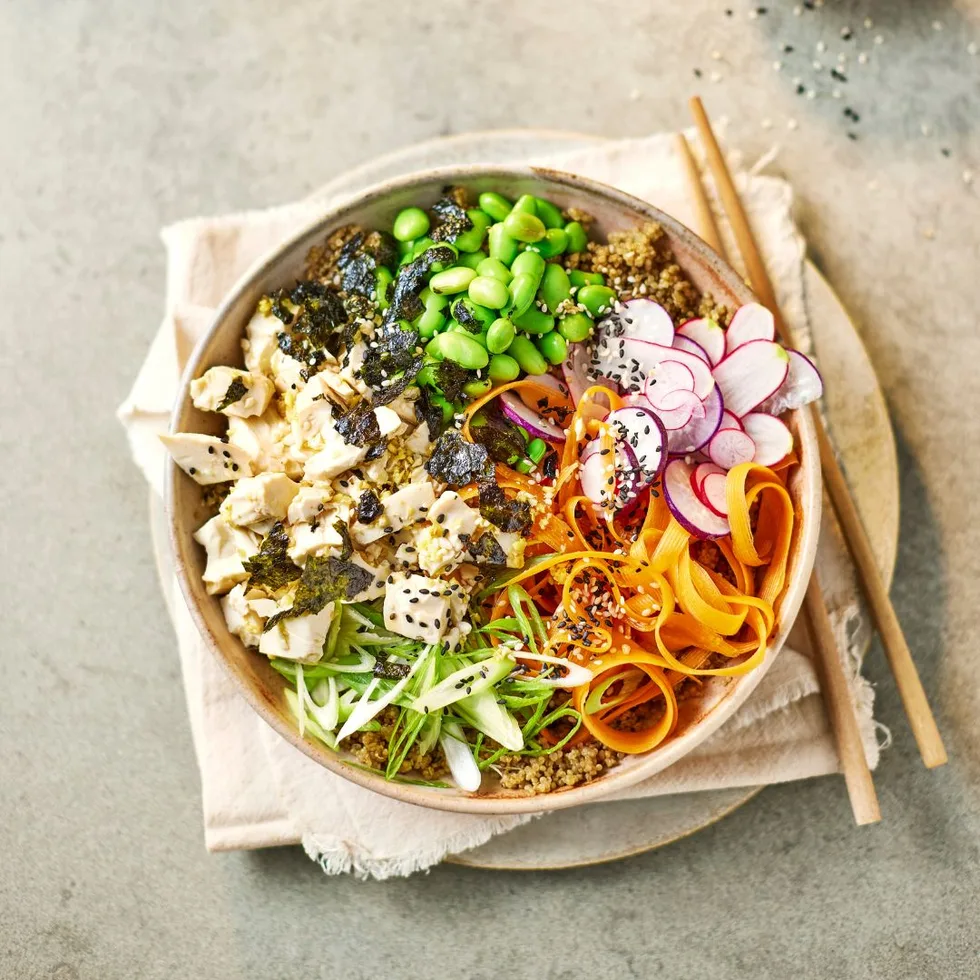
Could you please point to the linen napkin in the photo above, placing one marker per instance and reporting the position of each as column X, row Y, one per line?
column 259, row 791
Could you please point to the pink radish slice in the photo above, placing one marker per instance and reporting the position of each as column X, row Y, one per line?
column 596, row 470
column 772, row 438
column 750, row 322
column 802, row 385
column 697, row 432
column 729, row 447
column 631, row 361
column 700, row 472
column 750, row 374
column 678, row 408
column 713, row 493
column 644, row 435
column 686, row 344
column 666, row 377
column 539, row 427
column 729, row 421
column 691, row 514
column 531, row 399
column 640, row 318
column 707, row 335
column 629, row 477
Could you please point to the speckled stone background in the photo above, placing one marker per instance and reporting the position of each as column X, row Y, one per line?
column 118, row 116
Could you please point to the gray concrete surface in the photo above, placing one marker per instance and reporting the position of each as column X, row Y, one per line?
column 118, row 116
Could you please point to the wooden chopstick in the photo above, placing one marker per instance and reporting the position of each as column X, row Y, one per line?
column 833, row 683
column 707, row 226
column 907, row 679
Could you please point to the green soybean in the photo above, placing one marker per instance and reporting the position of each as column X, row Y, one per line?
column 382, row 285
column 410, row 223
column 472, row 260
column 524, row 466
column 522, row 289
column 503, row 368
column 427, row 375
column 577, row 238
column 444, row 404
column 420, row 245
column 530, row 359
column 464, row 350
column 433, row 301
column 528, row 264
column 453, row 280
column 489, row 292
column 536, row 450
column 496, row 205
column 575, row 327
column 580, row 279
column 480, row 337
column 548, row 213
column 553, row 243
column 476, row 388
column 555, row 287
column 554, row 347
column 496, row 269
column 526, row 203
column 429, row 323
column 481, row 314
column 471, row 240
column 523, row 226
column 500, row 333
column 501, row 246
column 534, row 321
column 598, row 300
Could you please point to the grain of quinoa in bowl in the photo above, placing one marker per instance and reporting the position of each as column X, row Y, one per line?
column 493, row 492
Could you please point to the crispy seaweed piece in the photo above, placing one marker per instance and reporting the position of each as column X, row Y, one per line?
column 236, row 391
column 457, row 462
column 388, row 669
column 347, row 547
column 452, row 378
column 463, row 315
column 508, row 515
column 276, row 304
column 502, row 438
column 405, row 303
column 486, row 550
column 360, row 258
column 316, row 326
column 358, row 426
column 368, row 507
column 549, row 465
column 272, row 566
column 430, row 413
column 391, row 362
column 449, row 217
column 324, row 580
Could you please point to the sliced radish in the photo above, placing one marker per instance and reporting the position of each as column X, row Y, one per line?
column 644, row 434
column 531, row 399
column 640, row 318
column 701, row 472
column 686, row 344
column 713, row 493
column 802, row 385
column 772, row 438
column 729, row 447
column 750, row 322
column 630, row 362
column 539, row 427
column 729, row 421
column 666, row 377
column 750, row 374
column 698, row 430
column 691, row 514
column 707, row 335
column 597, row 474
column 629, row 477
column 678, row 409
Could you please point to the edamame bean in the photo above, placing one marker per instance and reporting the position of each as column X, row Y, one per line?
column 554, row 347
column 480, row 337
column 528, row 264
column 527, row 203
column 464, row 350
column 522, row 289
column 503, row 368
column 496, row 205
column 554, row 242
column 429, row 323
column 453, row 280
column 420, row 245
column 536, row 450
column 472, row 239
column 433, row 301
column 524, row 466
column 548, row 213
column 502, row 247
column 489, row 292
column 410, row 223
column 496, row 269
column 427, row 375
column 555, row 287
column 466, row 311
column 598, row 300
column 580, row 279
column 472, row 260
column 382, row 286
column 444, row 404
column 528, row 357
column 523, row 226
column 577, row 238
column 476, row 388
column 534, row 321
column 500, row 333
column 575, row 327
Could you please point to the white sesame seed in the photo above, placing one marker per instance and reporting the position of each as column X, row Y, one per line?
column 716, row 56
column 863, row 58
column 797, row 11
column 777, row 66
column 634, row 94
column 715, row 76
column 821, row 47
column 817, row 66
column 968, row 176
column 925, row 128
column 766, row 124
column 836, row 93
column 879, row 39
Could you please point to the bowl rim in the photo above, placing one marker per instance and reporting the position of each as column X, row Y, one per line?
column 613, row 780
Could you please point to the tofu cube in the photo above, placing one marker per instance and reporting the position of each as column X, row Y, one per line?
column 250, row 393
column 206, row 458
column 227, row 549
column 300, row 638
column 259, row 498
column 417, row 607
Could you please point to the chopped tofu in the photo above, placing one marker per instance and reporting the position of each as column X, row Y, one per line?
column 227, row 548
column 443, row 545
column 419, row 441
column 241, row 618
column 309, row 503
column 337, row 457
column 312, row 413
column 286, row 371
column 319, row 537
column 259, row 498
column 261, row 342
column 300, row 638
column 262, row 439
column 400, row 509
column 417, row 607
column 388, row 421
column 454, row 515
column 513, row 545
column 206, row 458
column 210, row 391
column 380, row 572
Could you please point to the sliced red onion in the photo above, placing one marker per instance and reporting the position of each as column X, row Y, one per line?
column 691, row 514
column 750, row 374
column 643, row 434
column 640, row 318
column 697, row 432
column 538, row 426
column 802, row 385
column 750, row 322
column 772, row 438
column 707, row 335
column 729, row 447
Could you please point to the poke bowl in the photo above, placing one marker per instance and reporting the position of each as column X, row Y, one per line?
column 491, row 489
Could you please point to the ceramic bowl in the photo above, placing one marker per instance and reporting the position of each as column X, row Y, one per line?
column 260, row 685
